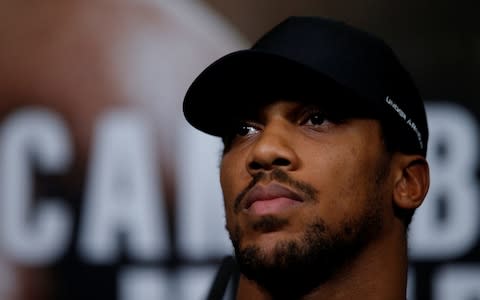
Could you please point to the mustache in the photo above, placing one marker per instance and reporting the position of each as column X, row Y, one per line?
column 308, row 192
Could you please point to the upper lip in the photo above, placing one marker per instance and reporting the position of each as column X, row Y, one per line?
column 269, row 192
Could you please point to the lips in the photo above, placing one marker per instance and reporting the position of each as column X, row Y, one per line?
column 270, row 199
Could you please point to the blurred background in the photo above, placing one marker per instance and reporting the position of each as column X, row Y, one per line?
column 106, row 193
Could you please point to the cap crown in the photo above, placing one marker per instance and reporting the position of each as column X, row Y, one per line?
column 307, row 53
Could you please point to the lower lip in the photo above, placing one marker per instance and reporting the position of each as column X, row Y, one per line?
column 273, row 206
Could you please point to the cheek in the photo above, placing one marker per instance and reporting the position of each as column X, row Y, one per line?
column 232, row 180
column 343, row 181
column 227, row 190
column 227, row 177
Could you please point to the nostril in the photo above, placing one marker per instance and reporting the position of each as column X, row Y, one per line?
column 278, row 162
column 255, row 165
column 281, row 162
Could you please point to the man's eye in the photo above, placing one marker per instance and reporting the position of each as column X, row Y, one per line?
column 245, row 129
column 315, row 119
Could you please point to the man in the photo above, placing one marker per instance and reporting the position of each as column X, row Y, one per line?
column 324, row 162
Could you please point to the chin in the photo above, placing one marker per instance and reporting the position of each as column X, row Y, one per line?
column 277, row 259
column 268, row 235
column 272, row 246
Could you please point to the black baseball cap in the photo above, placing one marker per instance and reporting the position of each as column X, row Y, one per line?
column 314, row 59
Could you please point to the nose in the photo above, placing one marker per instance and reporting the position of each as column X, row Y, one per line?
column 274, row 148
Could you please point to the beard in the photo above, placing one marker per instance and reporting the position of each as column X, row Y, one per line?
column 297, row 266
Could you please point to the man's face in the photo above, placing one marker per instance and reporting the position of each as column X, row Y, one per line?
column 302, row 189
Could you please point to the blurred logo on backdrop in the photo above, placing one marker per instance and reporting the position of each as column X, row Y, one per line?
column 106, row 193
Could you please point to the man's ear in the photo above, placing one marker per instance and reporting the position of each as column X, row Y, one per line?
column 412, row 181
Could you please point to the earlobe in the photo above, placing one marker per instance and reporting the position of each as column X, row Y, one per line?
column 412, row 185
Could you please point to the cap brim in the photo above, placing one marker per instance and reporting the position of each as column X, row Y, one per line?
column 247, row 79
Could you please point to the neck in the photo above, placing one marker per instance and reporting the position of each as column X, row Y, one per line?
column 379, row 272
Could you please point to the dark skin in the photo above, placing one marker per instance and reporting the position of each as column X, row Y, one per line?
column 340, row 161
